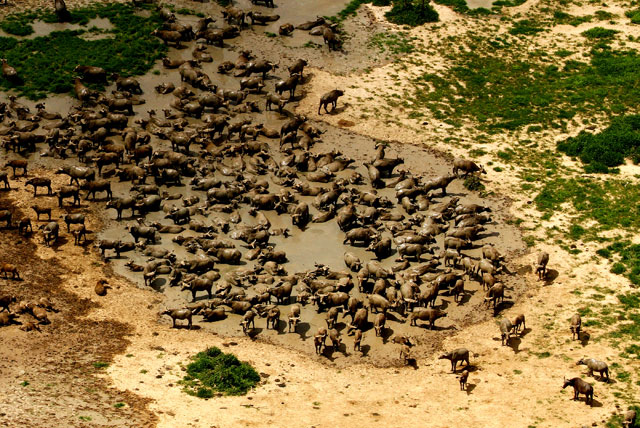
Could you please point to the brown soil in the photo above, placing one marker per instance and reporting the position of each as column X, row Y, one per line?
column 48, row 378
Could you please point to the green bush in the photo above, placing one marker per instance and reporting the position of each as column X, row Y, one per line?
column 212, row 370
column 634, row 15
column 473, row 183
column 600, row 33
column 406, row 12
column 525, row 27
column 609, row 148
column 45, row 64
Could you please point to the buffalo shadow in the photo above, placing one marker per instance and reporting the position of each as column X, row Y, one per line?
column 584, row 338
column 302, row 329
column 550, row 276
column 470, row 387
column 514, row 343
column 364, row 350
column 254, row 332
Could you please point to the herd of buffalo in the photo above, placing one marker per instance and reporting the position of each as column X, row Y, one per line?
column 208, row 141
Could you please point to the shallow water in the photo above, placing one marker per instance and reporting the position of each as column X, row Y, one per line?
column 475, row 4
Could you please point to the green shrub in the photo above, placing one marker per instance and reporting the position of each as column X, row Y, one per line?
column 634, row 15
column 525, row 27
column 15, row 27
column 406, row 12
column 600, row 33
column 473, row 183
column 608, row 148
column 212, row 370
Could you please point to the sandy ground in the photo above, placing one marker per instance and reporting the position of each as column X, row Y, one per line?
column 509, row 385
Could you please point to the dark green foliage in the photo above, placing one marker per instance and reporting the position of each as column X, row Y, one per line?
column 473, row 183
column 405, row 12
column 600, row 33
column 18, row 24
column 214, row 371
column 46, row 64
column 634, row 15
column 525, row 27
column 608, row 148
column 618, row 268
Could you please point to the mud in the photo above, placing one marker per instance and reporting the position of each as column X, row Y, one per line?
column 318, row 243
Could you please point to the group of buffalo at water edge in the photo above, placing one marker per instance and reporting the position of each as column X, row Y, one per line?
column 240, row 171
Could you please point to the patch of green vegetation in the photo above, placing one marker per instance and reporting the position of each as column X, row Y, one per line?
column 395, row 43
column 628, row 330
column 84, row 418
column 603, row 15
column 608, row 148
column 600, row 33
column 473, row 183
column 187, row 11
column 516, row 371
column 618, row 268
column 270, row 34
column 214, row 371
column 100, row 365
column 223, row 3
column 412, row 13
column 560, row 17
column 24, row 383
column 611, row 204
column 630, row 300
column 541, row 355
column 627, row 263
column 504, row 92
column 119, row 405
column 563, row 53
column 634, row 15
column 525, row 27
column 18, row 24
column 633, row 349
column 45, row 64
